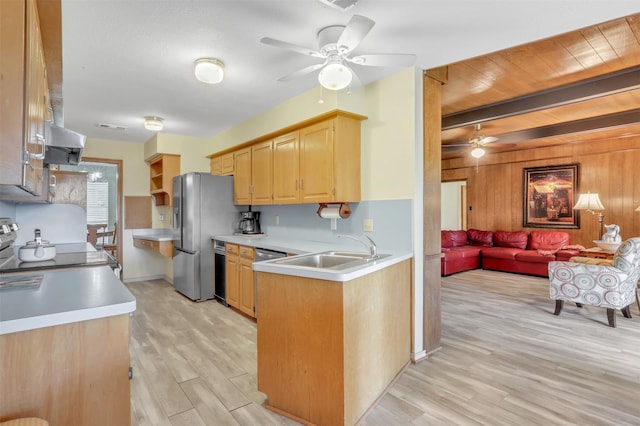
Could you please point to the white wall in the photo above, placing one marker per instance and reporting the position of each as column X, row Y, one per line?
column 451, row 202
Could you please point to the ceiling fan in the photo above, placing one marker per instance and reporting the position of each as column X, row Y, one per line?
column 478, row 142
column 336, row 43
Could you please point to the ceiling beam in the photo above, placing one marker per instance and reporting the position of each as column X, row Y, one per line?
column 603, row 122
column 604, row 85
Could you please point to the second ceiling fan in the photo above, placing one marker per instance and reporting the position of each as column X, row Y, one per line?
column 478, row 142
column 336, row 44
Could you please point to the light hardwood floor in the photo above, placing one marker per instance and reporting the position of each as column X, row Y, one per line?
column 505, row 360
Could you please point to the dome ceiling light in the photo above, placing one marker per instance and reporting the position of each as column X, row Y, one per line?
column 209, row 70
column 153, row 123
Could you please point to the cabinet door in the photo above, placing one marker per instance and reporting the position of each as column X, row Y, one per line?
column 227, row 164
column 247, row 288
column 233, row 285
column 242, row 176
column 316, row 163
column 262, row 173
column 215, row 166
column 286, row 168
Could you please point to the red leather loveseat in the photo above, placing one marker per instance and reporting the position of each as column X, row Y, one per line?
column 508, row 251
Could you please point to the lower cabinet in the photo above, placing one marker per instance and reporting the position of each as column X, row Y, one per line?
column 240, row 279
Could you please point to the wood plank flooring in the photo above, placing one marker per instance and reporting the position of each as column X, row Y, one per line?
column 505, row 360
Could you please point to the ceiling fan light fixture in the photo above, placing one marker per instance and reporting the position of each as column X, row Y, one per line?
column 477, row 152
column 335, row 76
column 153, row 123
column 209, row 70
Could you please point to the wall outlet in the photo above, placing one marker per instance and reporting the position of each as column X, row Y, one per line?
column 367, row 225
column 277, row 220
column 161, row 218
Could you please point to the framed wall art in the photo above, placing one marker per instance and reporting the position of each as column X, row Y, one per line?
column 549, row 196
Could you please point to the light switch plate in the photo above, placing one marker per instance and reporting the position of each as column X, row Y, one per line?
column 367, row 225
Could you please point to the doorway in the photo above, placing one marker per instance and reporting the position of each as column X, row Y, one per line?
column 454, row 205
column 104, row 196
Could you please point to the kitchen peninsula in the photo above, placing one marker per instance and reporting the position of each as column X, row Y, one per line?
column 331, row 342
column 65, row 347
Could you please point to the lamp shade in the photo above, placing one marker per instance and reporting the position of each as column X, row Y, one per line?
column 588, row 201
column 477, row 152
column 153, row 123
column 209, row 70
column 335, row 76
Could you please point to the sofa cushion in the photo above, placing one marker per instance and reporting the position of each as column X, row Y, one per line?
column 453, row 238
column 508, row 253
column 477, row 237
column 534, row 256
column 548, row 240
column 457, row 253
column 515, row 239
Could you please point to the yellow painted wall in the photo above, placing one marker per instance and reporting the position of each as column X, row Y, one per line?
column 193, row 151
column 388, row 135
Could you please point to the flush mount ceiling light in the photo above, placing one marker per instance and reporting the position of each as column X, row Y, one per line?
column 335, row 76
column 209, row 70
column 153, row 123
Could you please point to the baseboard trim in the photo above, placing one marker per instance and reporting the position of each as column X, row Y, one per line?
column 416, row 357
column 145, row 278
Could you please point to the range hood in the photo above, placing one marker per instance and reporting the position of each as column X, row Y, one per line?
column 62, row 146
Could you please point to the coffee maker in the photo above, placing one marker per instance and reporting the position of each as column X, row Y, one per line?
column 250, row 222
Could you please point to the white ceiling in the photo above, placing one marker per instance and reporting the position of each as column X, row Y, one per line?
column 124, row 59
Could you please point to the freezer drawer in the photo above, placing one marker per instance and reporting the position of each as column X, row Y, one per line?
column 186, row 273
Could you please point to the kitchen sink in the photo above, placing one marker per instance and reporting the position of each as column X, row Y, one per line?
column 329, row 260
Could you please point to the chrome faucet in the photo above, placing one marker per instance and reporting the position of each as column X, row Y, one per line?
column 371, row 245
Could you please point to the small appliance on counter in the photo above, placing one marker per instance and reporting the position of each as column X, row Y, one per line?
column 250, row 222
column 37, row 250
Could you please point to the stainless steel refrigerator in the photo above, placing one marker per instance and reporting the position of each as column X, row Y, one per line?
column 202, row 207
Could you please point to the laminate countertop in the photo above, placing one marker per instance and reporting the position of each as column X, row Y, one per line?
column 63, row 296
column 296, row 246
column 153, row 234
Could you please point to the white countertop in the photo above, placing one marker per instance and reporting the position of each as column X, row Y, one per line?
column 295, row 246
column 63, row 297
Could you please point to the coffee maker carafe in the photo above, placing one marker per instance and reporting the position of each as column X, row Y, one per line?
column 250, row 222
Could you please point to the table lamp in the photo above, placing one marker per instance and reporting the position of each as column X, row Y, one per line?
column 591, row 203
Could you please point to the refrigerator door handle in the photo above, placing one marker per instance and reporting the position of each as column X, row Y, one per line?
column 185, row 251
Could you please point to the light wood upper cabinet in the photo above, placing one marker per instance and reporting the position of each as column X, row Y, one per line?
column 24, row 99
column 222, row 165
column 163, row 168
column 316, row 161
column 262, row 173
column 286, row 169
column 242, row 177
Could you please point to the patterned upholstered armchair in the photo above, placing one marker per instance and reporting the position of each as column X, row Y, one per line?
column 613, row 287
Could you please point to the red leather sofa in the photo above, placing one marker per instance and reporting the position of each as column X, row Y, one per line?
column 509, row 251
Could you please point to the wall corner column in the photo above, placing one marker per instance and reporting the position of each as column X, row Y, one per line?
column 432, row 121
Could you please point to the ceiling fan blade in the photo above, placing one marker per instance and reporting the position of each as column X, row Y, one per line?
column 289, row 46
column 488, row 139
column 303, row 71
column 384, row 60
column 357, row 28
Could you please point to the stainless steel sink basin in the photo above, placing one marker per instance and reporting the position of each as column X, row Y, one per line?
column 329, row 260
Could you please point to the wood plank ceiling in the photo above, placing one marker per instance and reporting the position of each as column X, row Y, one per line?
column 574, row 87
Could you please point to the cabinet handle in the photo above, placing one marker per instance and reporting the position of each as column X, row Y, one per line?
column 25, row 159
column 41, row 140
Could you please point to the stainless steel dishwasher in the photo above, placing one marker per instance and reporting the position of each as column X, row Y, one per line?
column 261, row 255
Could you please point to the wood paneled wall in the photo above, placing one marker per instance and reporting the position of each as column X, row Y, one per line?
column 610, row 168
